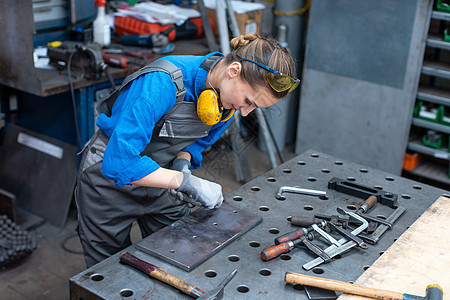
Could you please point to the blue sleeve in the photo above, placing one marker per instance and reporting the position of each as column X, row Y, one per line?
column 137, row 109
column 196, row 149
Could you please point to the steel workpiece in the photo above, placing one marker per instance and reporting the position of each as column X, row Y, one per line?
column 258, row 279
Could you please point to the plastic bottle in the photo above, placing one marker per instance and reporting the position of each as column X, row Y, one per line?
column 102, row 31
column 282, row 35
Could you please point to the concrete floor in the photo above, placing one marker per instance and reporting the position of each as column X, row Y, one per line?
column 46, row 272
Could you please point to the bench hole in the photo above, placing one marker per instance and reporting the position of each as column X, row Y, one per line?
column 210, row 273
column 265, row 272
column 97, row 277
column 126, row 293
column 242, row 289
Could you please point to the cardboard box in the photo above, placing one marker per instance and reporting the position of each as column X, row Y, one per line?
column 248, row 22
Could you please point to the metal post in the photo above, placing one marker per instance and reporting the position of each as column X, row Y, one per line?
column 223, row 27
column 267, row 139
column 290, row 14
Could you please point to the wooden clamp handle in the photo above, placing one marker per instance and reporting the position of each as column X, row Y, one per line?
column 340, row 286
column 161, row 275
column 293, row 235
column 368, row 204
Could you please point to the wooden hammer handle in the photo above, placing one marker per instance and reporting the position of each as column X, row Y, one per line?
column 340, row 286
column 161, row 275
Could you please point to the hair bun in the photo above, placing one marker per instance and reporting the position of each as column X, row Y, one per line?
column 243, row 40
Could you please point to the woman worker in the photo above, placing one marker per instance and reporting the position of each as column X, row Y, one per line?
column 155, row 128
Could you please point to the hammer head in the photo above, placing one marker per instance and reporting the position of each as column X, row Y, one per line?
column 434, row 292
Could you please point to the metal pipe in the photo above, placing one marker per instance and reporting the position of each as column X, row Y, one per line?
column 270, row 148
column 223, row 27
column 289, row 26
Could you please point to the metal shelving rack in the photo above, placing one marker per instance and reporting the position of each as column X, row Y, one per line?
column 437, row 168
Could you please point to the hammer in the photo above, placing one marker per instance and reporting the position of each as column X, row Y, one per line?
column 433, row 291
column 181, row 285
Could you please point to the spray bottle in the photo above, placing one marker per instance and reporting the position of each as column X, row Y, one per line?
column 102, row 31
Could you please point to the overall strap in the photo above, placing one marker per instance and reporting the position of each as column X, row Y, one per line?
column 156, row 66
column 210, row 62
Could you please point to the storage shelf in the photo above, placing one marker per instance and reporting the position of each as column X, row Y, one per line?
column 433, row 170
column 437, row 41
column 440, row 15
column 431, row 125
column 434, row 94
column 436, row 68
column 433, row 165
column 436, row 153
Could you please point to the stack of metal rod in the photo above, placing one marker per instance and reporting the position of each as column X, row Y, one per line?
column 15, row 244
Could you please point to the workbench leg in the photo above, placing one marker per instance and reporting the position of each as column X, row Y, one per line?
column 85, row 113
column 4, row 105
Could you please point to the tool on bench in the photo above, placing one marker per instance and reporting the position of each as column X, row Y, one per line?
column 326, row 236
column 161, row 275
column 362, row 191
column 335, row 222
column 170, row 279
column 366, row 206
column 121, row 58
column 277, row 250
column 359, row 242
column 433, row 291
column 288, row 241
column 217, row 293
column 80, row 59
column 158, row 42
column 345, row 243
column 376, row 235
column 308, row 221
column 115, row 60
column 368, row 193
column 298, row 190
column 293, row 235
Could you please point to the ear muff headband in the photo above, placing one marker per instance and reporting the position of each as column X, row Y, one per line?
column 209, row 108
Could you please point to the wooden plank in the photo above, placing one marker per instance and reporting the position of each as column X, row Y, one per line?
column 418, row 258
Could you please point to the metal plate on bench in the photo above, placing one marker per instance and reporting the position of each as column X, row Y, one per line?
column 190, row 241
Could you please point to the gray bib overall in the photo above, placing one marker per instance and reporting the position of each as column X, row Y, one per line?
column 106, row 212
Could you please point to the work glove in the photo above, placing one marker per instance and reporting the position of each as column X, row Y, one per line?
column 181, row 165
column 200, row 191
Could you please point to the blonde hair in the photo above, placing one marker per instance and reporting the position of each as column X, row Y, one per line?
column 264, row 50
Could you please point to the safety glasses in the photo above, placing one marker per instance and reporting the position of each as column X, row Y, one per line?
column 278, row 81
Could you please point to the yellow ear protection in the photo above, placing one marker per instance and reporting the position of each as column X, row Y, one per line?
column 210, row 109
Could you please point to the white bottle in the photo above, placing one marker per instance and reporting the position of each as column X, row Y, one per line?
column 102, row 31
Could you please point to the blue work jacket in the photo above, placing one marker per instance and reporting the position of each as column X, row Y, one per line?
column 136, row 111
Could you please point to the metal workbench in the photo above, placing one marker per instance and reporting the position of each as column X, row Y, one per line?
column 255, row 278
